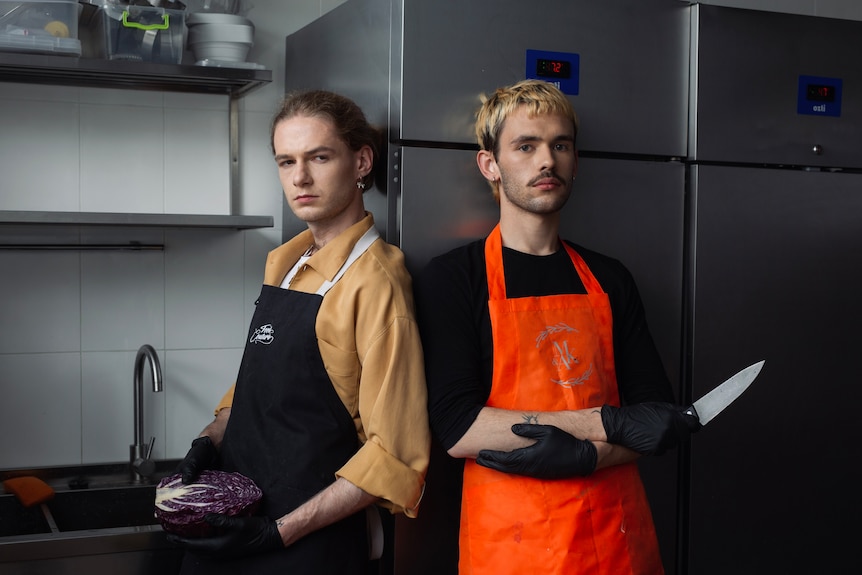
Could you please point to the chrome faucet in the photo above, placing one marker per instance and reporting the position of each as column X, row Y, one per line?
column 140, row 463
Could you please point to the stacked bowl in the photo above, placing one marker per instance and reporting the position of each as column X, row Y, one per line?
column 219, row 37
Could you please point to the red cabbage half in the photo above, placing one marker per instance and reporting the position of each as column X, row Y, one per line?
column 181, row 508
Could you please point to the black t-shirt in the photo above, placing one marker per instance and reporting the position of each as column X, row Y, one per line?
column 455, row 324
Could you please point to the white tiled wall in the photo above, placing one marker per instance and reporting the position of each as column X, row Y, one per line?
column 71, row 322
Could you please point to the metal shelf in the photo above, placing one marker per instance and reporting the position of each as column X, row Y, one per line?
column 71, row 71
column 98, row 73
column 13, row 217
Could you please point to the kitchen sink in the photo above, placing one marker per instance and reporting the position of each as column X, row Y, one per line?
column 99, row 520
column 15, row 519
column 104, row 508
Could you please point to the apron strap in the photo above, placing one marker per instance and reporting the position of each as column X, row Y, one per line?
column 376, row 538
column 496, row 276
column 361, row 246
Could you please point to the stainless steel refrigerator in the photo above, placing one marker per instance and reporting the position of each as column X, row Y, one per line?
column 721, row 161
column 418, row 69
column 774, row 269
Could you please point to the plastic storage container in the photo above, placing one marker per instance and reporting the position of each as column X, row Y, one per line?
column 141, row 33
column 42, row 26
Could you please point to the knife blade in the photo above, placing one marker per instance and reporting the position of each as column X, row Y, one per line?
column 714, row 402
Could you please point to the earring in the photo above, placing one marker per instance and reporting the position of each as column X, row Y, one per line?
column 360, row 184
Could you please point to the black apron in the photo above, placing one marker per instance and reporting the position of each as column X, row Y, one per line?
column 289, row 432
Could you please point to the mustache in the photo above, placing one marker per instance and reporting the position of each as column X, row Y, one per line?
column 547, row 174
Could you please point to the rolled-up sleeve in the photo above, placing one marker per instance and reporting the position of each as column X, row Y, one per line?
column 392, row 462
column 226, row 400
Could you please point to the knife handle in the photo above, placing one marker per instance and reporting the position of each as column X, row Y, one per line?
column 691, row 412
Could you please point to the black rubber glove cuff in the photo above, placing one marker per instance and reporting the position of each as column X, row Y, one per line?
column 237, row 537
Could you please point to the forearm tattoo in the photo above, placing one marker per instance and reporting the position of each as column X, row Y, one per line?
column 532, row 418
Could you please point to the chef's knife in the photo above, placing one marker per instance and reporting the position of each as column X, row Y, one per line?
column 714, row 402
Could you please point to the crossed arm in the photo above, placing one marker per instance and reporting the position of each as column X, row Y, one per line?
column 492, row 430
column 562, row 444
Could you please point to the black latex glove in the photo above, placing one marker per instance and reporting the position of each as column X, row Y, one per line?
column 202, row 455
column 555, row 455
column 237, row 537
column 649, row 428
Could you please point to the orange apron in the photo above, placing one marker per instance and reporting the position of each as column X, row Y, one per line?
column 553, row 353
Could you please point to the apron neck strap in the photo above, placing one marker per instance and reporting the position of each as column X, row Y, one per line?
column 359, row 248
column 496, row 276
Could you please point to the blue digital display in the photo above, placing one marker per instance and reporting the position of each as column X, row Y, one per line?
column 560, row 68
column 818, row 96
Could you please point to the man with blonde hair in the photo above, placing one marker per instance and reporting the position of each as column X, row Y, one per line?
column 532, row 345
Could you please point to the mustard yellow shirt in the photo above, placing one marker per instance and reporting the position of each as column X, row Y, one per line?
column 368, row 339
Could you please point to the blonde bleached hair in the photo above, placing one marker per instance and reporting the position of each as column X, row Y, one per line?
column 539, row 97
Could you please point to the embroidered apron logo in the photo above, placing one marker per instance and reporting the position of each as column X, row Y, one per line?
column 265, row 334
column 563, row 358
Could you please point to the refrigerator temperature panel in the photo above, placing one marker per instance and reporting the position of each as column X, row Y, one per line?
column 776, row 89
